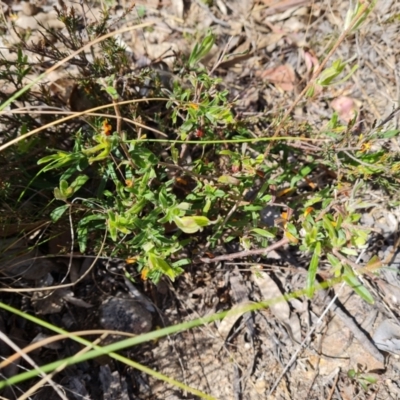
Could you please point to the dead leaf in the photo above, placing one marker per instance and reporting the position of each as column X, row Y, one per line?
column 282, row 77
column 311, row 61
column 345, row 107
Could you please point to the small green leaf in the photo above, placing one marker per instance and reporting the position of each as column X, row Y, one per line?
column 349, row 252
column 351, row 373
column 191, row 224
column 57, row 213
column 207, row 206
column 336, row 264
column 90, row 222
column 328, row 225
column 79, row 182
column 263, row 233
column 390, row 134
column 159, row 264
column 112, row 226
column 112, row 92
column 370, row 378
column 201, row 50
column 181, row 262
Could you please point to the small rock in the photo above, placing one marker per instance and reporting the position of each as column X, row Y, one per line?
column 29, row 8
column 125, row 314
column 269, row 214
column 26, row 22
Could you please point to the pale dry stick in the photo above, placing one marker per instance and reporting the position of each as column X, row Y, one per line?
column 56, row 338
column 48, row 377
column 302, row 344
column 246, row 253
column 20, row 353
column 317, row 72
column 73, row 113
column 222, row 55
column 334, row 385
column 76, row 115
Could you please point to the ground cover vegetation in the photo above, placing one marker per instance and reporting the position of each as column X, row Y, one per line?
column 158, row 167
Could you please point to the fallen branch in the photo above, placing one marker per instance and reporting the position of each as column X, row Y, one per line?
column 245, row 253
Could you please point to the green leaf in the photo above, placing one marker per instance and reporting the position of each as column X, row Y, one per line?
column 370, row 378
column 328, row 225
column 359, row 237
column 182, row 262
column 207, row 206
column 390, row 134
column 159, row 264
column 92, row 222
column 111, row 225
column 79, row 182
column 201, row 50
column 336, row 264
column 63, row 192
column 329, row 74
column 351, row 279
column 58, row 160
column 349, row 252
column 263, row 233
column 351, row 373
column 355, row 13
column 57, row 213
column 312, row 271
column 112, row 92
column 191, row 224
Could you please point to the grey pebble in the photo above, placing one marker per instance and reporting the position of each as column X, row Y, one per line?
column 125, row 314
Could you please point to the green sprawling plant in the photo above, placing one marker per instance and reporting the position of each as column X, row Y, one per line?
column 166, row 164
column 158, row 161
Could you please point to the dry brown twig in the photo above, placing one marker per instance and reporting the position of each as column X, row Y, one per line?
column 241, row 254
